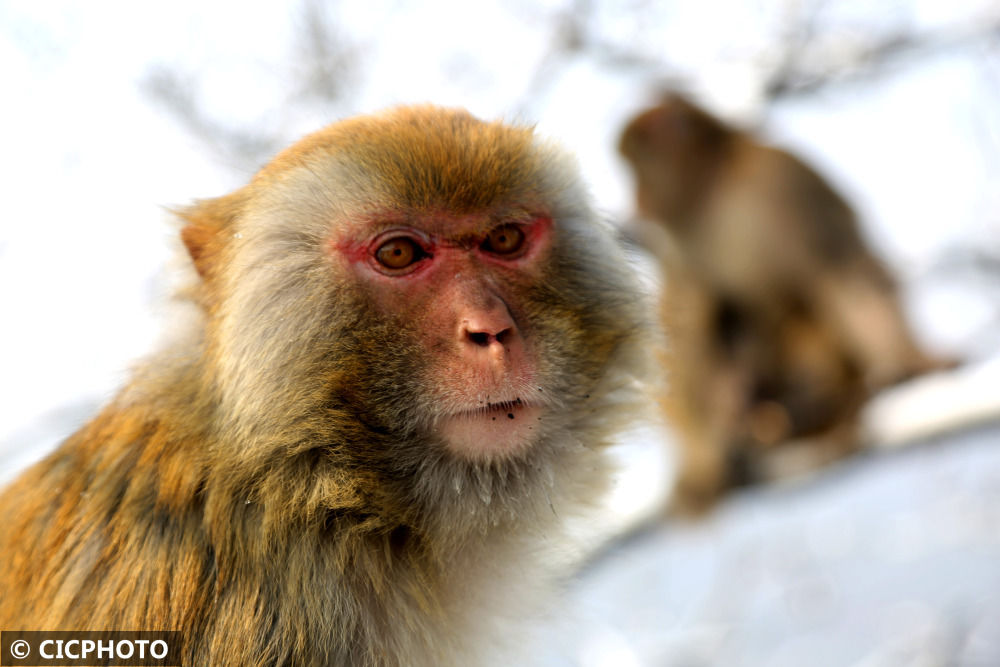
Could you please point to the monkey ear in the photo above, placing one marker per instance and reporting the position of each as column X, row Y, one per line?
column 199, row 242
column 207, row 228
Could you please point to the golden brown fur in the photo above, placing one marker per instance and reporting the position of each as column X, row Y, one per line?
column 781, row 321
column 273, row 485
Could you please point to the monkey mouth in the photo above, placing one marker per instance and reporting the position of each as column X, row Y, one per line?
column 503, row 409
column 492, row 430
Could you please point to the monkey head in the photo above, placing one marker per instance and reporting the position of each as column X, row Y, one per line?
column 432, row 285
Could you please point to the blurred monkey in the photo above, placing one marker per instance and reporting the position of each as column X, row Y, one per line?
column 414, row 339
column 781, row 322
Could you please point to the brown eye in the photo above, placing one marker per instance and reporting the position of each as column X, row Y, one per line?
column 504, row 240
column 399, row 253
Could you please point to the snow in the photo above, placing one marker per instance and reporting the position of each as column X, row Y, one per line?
column 884, row 561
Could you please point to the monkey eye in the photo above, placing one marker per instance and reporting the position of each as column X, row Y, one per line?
column 504, row 240
column 399, row 253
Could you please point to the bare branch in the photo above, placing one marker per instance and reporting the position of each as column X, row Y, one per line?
column 804, row 69
column 176, row 92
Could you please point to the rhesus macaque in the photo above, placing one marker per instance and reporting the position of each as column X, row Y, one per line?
column 414, row 340
column 781, row 321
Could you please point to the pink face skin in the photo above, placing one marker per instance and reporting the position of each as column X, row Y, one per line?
column 459, row 279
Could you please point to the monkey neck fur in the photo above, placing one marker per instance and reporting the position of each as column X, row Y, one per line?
column 415, row 554
column 329, row 470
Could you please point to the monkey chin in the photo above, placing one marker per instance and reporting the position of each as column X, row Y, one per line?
column 496, row 431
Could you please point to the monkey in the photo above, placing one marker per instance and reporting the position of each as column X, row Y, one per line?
column 414, row 340
column 781, row 321
column 752, row 399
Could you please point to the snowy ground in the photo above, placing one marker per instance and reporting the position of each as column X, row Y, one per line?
column 889, row 560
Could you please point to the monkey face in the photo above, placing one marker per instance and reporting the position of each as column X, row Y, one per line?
column 457, row 287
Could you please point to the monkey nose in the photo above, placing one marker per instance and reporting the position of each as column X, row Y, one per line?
column 486, row 328
column 485, row 338
column 489, row 348
column 491, row 332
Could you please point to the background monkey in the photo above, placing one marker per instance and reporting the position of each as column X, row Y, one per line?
column 414, row 338
column 781, row 321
